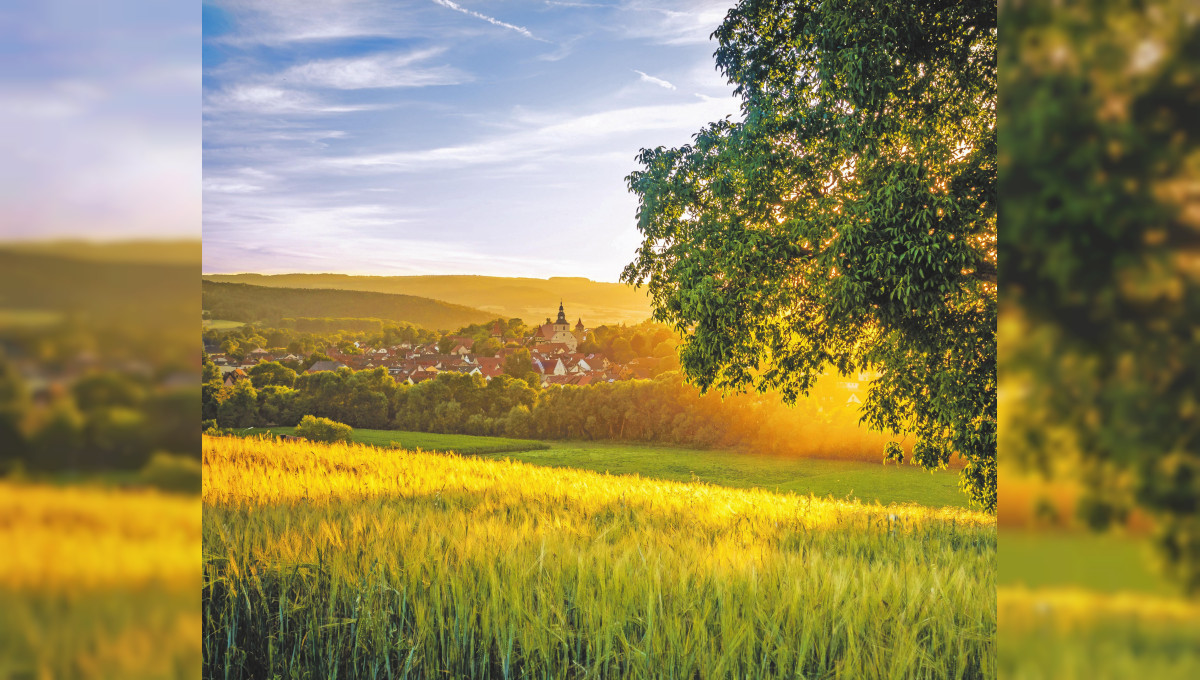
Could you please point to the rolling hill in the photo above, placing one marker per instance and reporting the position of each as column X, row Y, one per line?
column 529, row 299
column 245, row 302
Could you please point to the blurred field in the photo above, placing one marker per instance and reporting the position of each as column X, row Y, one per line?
column 337, row 560
column 1104, row 563
column 222, row 324
column 98, row 583
column 1076, row 634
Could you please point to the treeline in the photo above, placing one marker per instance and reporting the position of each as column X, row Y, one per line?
column 243, row 302
column 663, row 410
column 238, row 342
column 105, row 420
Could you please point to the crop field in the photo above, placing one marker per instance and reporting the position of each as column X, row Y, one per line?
column 868, row 482
column 840, row 479
column 1075, row 634
column 98, row 583
column 458, row 443
column 337, row 561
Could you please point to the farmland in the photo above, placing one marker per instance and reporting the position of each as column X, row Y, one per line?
column 458, row 443
column 98, row 583
column 868, row 482
column 1073, row 633
column 335, row 560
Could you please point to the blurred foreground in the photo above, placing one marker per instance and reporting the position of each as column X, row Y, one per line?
column 99, row 460
column 1099, row 558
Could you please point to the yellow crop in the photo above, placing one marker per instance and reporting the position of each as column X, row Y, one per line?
column 98, row 583
column 357, row 561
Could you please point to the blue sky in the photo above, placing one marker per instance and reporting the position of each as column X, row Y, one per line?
column 443, row 136
column 99, row 119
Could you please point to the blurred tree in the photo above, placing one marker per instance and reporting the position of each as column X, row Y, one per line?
column 848, row 223
column 14, row 400
column 1101, row 253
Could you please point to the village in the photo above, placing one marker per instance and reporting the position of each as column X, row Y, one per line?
column 552, row 350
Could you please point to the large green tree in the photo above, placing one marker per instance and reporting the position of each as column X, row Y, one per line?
column 1100, row 249
column 846, row 222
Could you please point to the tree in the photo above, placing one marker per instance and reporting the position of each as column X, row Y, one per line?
column 519, row 364
column 240, row 409
column 272, row 373
column 1099, row 245
column 14, row 402
column 847, row 223
column 323, row 430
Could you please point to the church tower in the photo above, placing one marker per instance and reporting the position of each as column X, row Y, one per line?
column 561, row 325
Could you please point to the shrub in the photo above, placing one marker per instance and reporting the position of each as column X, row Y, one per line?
column 178, row 474
column 323, row 430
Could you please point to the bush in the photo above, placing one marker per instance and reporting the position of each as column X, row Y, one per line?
column 177, row 474
column 323, row 430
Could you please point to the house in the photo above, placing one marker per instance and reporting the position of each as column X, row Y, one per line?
column 325, row 366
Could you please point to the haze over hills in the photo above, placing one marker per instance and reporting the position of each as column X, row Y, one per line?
column 529, row 299
column 270, row 304
column 112, row 284
column 145, row 251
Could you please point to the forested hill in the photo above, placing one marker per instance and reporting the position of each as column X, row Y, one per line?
column 115, row 287
column 529, row 299
column 244, row 302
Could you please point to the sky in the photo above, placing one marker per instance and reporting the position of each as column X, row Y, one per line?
column 443, row 136
column 100, row 119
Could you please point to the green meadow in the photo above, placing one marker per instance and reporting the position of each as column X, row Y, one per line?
column 736, row 469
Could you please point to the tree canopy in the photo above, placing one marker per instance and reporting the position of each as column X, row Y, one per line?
column 1100, row 248
column 846, row 223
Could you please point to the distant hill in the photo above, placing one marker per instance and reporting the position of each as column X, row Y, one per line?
column 529, row 299
column 107, row 290
column 244, row 302
column 144, row 251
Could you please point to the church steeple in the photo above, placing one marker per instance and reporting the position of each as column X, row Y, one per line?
column 562, row 316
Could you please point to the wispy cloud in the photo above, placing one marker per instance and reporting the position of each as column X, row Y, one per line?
column 375, row 71
column 266, row 99
column 647, row 78
column 567, row 135
column 491, row 20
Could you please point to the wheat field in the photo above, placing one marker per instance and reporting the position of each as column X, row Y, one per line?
column 352, row 561
column 98, row 583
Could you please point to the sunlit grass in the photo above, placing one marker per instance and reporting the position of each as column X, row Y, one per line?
column 356, row 561
column 1076, row 633
column 98, row 583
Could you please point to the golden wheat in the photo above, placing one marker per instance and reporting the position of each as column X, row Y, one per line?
column 355, row 561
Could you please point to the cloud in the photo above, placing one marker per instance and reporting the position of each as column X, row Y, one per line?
column 647, row 78
column 674, row 22
column 376, row 71
column 271, row 100
column 491, row 20
column 554, row 136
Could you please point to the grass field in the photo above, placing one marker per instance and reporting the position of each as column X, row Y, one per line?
column 841, row 479
column 1103, row 563
column 28, row 318
column 457, row 443
column 838, row 478
column 1076, row 634
column 222, row 324
column 98, row 583
column 325, row 561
